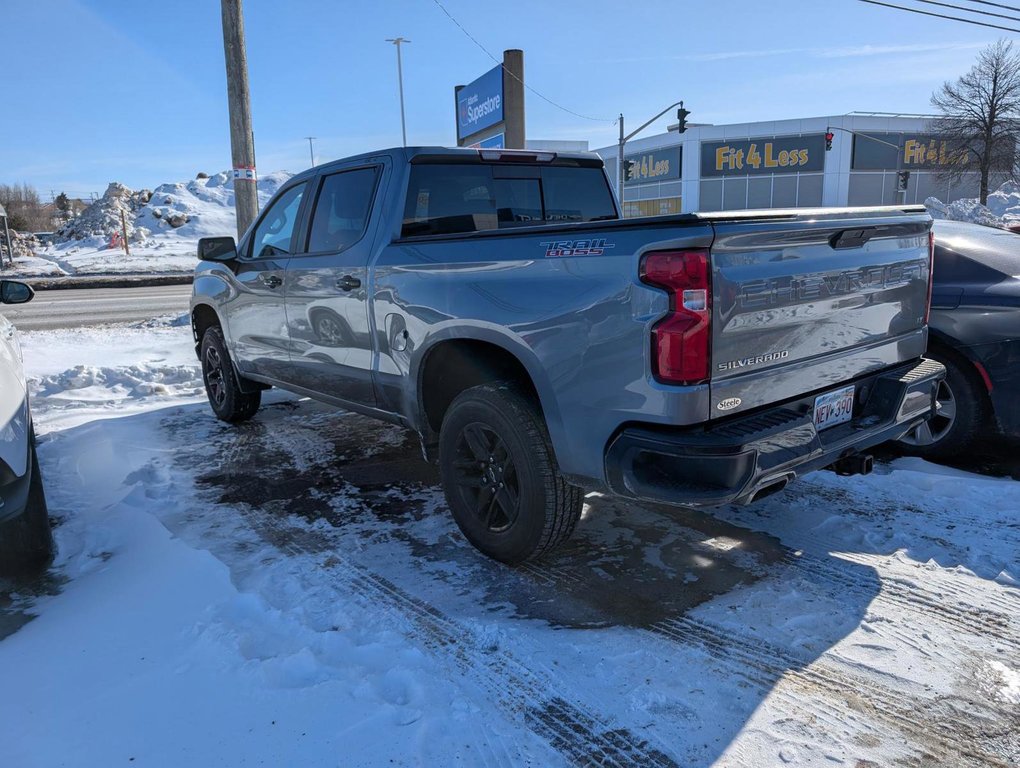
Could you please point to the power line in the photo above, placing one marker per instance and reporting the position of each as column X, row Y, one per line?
column 969, row 10
column 514, row 76
column 997, row 5
column 940, row 15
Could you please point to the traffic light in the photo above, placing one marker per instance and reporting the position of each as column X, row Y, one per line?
column 681, row 116
column 902, row 181
column 829, row 135
column 628, row 169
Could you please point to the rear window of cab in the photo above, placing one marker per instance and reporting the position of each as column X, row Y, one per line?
column 445, row 199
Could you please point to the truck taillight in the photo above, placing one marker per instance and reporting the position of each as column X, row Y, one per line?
column 931, row 274
column 681, row 340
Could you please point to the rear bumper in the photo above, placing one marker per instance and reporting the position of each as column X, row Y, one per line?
column 739, row 459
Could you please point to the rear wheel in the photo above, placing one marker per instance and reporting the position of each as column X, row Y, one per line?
column 500, row 476
column 228, row 402
column 962, row 415
column 26, row 542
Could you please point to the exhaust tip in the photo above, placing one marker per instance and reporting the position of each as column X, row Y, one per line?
column 769, row 489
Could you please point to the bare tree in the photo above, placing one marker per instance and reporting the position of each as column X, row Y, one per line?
column 980, row 117
column 25, row 212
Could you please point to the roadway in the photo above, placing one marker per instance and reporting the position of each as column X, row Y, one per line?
column 74, row 307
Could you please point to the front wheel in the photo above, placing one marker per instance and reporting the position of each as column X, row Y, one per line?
column 500, row 476
column 228, row 402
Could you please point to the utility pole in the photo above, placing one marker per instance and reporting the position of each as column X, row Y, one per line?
column 311, row 150
column 242, row 144
column 623, row 140
column 400, row 83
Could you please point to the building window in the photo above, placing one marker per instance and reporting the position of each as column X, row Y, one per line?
column 664, row 206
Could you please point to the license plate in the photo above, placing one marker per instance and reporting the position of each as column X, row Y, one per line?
column 834, row 408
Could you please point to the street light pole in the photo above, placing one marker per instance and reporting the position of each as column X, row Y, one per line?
column 400, row 83
column 620, row 179
column 311, row 150
column 623, row 141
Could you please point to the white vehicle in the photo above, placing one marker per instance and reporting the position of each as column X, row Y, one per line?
column 25, row 539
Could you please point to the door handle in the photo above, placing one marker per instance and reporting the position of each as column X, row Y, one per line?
column 348, row 283
column 270, row 281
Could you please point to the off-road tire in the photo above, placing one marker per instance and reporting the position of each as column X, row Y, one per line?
column 227, row 400
column 26, row 542
column 972, row 416
column 547, row 507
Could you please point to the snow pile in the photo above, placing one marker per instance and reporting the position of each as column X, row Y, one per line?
column 201, row 207
column 1002, row 211
column 80, row 373
column 967, row 209
column 100, row 221
column 26, row 263
column 163, row 228
column 1005, row 202
column 92, row 384
column 23, row 244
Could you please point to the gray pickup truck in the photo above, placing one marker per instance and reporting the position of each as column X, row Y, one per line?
column 495, row 303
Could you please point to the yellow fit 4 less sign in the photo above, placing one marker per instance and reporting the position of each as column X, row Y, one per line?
column 655, row 165
column 751, row 157
column 878, row 152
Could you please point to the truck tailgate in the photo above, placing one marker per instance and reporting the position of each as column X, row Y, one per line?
column 804, row 304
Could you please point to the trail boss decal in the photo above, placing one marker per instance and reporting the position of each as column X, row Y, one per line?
column 561, row 248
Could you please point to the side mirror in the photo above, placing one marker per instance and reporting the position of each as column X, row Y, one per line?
column 13, row 292
column 217, row 249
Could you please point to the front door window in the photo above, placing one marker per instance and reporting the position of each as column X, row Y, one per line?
column 273, row 234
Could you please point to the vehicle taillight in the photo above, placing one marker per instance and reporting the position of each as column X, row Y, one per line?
column 931, row 274
column 681, row 340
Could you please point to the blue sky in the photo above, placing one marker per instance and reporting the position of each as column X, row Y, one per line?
column 136, row 92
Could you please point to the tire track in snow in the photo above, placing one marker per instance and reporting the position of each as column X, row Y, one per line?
column 578, row 733
column 952, row 737
column 939, row 595
column 539, row 697
column 839, row 577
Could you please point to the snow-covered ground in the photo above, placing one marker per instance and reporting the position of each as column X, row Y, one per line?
column 292, row 591
column 163, row 231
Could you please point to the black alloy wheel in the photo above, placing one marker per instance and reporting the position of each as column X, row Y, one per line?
column 500, row 475
column 487, row 478
column 212, row 369
column 228, row 401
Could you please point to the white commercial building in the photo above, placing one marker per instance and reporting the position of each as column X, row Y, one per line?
column 784, row 163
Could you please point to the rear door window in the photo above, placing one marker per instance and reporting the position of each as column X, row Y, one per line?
column 452, row 199
column 341, row 210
